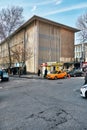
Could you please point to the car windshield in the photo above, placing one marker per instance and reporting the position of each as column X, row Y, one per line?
column 4, row 72
column 55, row 72
column 73, row 71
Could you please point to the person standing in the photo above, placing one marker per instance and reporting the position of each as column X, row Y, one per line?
column 39, row 72
column 45, row 73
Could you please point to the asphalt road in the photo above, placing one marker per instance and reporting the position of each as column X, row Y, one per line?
column 40, row 104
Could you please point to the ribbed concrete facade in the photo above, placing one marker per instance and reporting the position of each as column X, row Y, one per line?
column 50, row 41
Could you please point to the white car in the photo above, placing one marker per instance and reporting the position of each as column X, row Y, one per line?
column 83, row 91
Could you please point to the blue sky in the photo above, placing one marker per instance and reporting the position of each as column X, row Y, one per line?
column 62, row 11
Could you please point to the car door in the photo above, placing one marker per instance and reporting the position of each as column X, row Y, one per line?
column 59, row 75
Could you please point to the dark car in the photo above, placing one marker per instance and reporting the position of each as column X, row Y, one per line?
column 76, row 73
column 4, row 75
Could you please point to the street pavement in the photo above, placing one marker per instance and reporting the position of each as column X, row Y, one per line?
column 33, row 104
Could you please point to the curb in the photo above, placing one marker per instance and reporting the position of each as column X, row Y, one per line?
column 28, row 77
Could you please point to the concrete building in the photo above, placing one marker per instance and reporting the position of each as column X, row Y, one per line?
column 50, row 41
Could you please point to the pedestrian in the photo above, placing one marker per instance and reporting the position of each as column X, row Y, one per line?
column 19, row 71
column 45, row 73
column 39, row 72
column 13, row 71
column 85, row 78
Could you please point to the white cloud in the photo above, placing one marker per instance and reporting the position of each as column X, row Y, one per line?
column 34, row 8
column 74, row 7
column 49, row 2
column 45, row 2
column 58, row 2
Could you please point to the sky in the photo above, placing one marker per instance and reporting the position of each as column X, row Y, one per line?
column 62, row 11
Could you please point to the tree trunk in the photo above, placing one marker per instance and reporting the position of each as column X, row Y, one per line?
column 9, row 54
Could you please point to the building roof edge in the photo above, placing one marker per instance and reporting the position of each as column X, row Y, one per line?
column 35, row 17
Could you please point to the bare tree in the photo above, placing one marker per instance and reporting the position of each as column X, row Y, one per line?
column 10, row 20
column 82, row 25
column 20, row 55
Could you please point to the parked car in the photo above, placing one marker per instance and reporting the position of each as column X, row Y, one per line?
column 56, row 75
column 76, row 73
column 4, row 75
column 83, row 91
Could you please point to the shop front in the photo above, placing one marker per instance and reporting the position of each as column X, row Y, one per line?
column 51, row 66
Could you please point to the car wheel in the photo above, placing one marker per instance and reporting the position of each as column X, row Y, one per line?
column 55, row 78
column 86, row 94
column 7, row 79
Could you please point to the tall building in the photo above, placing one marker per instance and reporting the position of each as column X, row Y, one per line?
column 49, row 40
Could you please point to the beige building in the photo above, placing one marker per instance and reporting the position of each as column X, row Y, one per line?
column 81, row 52
column 50, row 42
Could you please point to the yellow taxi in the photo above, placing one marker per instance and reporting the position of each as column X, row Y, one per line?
column 57, row 75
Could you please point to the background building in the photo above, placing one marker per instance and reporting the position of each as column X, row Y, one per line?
column 81, row 52
column 50, row 41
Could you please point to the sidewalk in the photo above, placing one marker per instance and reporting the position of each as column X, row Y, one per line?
column 29, row 76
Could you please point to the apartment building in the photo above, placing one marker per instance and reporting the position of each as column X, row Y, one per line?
column 81, row 52
column 49, row 40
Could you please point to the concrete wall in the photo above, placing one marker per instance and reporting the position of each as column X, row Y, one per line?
column 49, row 44
column 32, row 41
column 67, row 46
column 56, row 44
